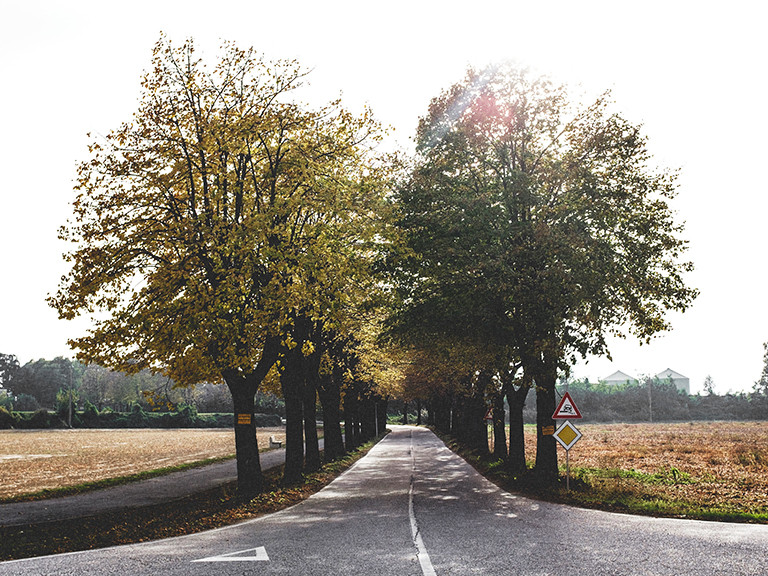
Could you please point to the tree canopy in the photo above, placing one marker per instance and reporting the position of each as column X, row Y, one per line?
column 537, row 227
column 229, row 232
column 204, row 226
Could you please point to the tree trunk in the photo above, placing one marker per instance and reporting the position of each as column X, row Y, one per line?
column 368, row 418
column 418, row 412
column 382, row 414
column 441, row 409
column 461, row 421
column 330, row 398
column 455, row 417
column 546, row 447
column 499, row 427
column 250, row 479
column 351, row 419
column 476, row 429
column 292, row 383
column 516, row 400
column 312, row 457
column 405, row 412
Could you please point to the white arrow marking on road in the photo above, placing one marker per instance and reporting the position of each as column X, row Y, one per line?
column 261, row 556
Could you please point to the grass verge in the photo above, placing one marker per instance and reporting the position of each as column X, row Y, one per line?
column 614, row 490
column 203, row 511
column 110, row 482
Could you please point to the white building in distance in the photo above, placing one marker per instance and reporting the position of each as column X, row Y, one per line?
column 681, row 382
column 617, row 378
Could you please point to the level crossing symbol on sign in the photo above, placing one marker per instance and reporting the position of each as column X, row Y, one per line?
column 566, row 408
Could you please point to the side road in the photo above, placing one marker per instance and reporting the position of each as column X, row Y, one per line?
column 161, row 489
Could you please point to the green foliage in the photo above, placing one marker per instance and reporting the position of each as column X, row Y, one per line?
column 7, row 419
column 138, row 418
column 41, row 419
column 89, row 418
column 709, row 385
column 25, row 403
column 42, row 379
column 234, row 205
column 526, row 224
column 9, row 366
column 239, row 210
column 628, row 402
column 531, row 232
column 6, row 401
column 63, row 399
column 761, row 386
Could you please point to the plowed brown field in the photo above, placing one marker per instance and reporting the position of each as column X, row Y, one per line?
column 711, row 463
column 44, row 459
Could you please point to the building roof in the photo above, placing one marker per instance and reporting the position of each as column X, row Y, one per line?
column 671, row 374
column 619, row 376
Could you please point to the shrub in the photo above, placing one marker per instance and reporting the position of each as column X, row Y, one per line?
column 7, row 420
column 6, row 401
column 25, row 403
column 138, row 418
column 41, row 419
column 267, row 420
column 185, row 416
column 90, row 417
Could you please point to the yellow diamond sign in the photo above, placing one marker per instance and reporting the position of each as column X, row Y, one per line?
column 567, row 435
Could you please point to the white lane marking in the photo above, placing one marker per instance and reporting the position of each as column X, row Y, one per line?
column 421, row 550
column 260, row 556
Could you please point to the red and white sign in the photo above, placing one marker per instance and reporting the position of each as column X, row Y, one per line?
column 566, row 408
column 489, row 414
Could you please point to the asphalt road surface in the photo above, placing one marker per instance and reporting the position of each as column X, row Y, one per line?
column 411, row 507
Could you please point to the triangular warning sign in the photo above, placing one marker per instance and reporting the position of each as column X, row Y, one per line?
column 489, row 414
column 566, row 408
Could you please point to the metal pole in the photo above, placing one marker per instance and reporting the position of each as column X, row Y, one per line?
column 69, row 417
column 567, row 470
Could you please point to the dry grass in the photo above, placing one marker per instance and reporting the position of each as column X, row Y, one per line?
column 717, row 464
column 36, row 460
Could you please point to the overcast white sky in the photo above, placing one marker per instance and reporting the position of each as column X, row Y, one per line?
column 694, row 73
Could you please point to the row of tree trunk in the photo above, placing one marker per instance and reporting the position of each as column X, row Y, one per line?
column 364, row 412
column 462, row 415
column 303, row 383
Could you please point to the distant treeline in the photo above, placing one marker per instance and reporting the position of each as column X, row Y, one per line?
column 91, row 417
column 655, row 401
column 49, row 384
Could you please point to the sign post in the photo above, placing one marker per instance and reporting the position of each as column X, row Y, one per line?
column 567, row 434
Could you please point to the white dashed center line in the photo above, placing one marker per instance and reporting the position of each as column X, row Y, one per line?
column 421, row 550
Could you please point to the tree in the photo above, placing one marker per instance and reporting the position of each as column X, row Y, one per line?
column 201, row 227
column 761, row 386
column 709, row 385
column 542, row 228
column 9, row 366
column 42, row 379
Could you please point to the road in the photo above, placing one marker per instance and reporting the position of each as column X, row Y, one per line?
column 158, row 490
column 411, row 507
